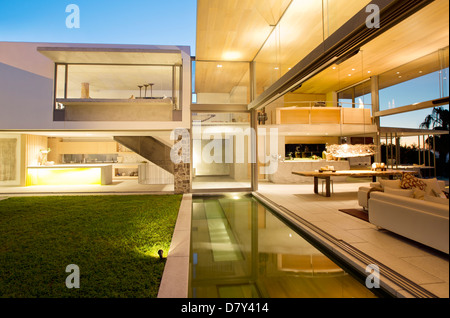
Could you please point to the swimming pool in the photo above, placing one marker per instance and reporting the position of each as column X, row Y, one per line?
column 242, row 249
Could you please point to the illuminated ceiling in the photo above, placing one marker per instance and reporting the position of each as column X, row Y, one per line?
column 237, row 29
column 414, row 39
column 234, row 30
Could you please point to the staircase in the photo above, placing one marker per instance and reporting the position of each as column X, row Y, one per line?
column 150, row 148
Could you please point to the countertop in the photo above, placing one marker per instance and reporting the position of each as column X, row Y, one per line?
column 79, row 165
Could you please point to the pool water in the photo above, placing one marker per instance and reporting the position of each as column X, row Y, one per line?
column 241, row 249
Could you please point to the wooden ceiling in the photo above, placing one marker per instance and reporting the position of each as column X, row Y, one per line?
column 234, row 30
column 221, row 77
column 238, row 29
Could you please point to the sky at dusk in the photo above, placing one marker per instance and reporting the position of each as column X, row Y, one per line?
column 168, row 22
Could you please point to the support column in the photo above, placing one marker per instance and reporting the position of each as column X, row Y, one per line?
column 182, row 170
column 254, row 149
column 376, row 120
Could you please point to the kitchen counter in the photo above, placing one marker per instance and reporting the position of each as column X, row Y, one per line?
column 70, row 174
column 284, row 174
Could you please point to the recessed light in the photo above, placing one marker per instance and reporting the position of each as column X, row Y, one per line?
column 369, row 72
column 353, row 69
column 276, row 68
column 219, row 65
column 349, row 74
column 334, row 67
column 398, row 72
column 231, row 55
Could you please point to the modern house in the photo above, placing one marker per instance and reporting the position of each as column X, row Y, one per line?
column 275, row 87
column 316, row 76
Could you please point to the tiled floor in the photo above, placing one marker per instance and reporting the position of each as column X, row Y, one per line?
column 424, row 266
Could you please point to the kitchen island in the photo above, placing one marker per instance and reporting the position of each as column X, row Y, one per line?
column 69, row 174
column 283, row 174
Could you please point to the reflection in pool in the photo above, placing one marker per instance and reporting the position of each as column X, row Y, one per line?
column 240, row 249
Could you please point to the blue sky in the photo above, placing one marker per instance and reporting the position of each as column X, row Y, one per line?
column 162, row 22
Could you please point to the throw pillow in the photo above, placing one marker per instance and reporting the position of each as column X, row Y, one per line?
column 439, row 194
column 409, row 193
column 419, row 194
column 409, row 182
column 432, row 186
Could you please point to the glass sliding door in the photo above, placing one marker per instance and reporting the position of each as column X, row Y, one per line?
column 221, row 151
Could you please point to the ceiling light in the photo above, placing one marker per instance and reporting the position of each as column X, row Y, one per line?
column 231, row 55
column 349, row 74
column 353, row 69
column 369, row 72
column 219, row 65
column 276, row 68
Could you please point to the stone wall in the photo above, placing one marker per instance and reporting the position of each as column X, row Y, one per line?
column 182, row 178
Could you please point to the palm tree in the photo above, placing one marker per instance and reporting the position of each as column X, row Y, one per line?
column 439, row 120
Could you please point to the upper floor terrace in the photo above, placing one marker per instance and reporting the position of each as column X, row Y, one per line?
column 94, row 86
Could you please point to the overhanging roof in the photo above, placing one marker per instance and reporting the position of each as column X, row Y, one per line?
column 80, row 55
column 408, row 132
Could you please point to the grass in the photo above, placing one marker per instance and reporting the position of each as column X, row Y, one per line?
column 114, row 240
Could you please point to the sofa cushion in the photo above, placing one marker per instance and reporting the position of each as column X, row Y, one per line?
column 385, row 183
column 411, row 203
column 432, row 198
column 409, row 193
column 409, row 181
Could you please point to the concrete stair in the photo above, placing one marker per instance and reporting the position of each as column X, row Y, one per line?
column 150, row 148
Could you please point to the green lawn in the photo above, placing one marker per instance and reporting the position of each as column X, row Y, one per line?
column 114, row 240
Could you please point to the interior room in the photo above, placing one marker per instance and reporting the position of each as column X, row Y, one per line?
column 45, row 161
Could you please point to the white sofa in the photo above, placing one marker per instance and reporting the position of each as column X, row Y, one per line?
column 418, row 215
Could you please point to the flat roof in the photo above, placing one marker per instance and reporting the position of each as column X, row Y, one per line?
column 91, row 55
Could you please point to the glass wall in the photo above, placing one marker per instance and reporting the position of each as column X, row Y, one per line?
column 421, row 80
column 118, row 92
column 304, row 26
column 222, row 82
column 221, row 150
